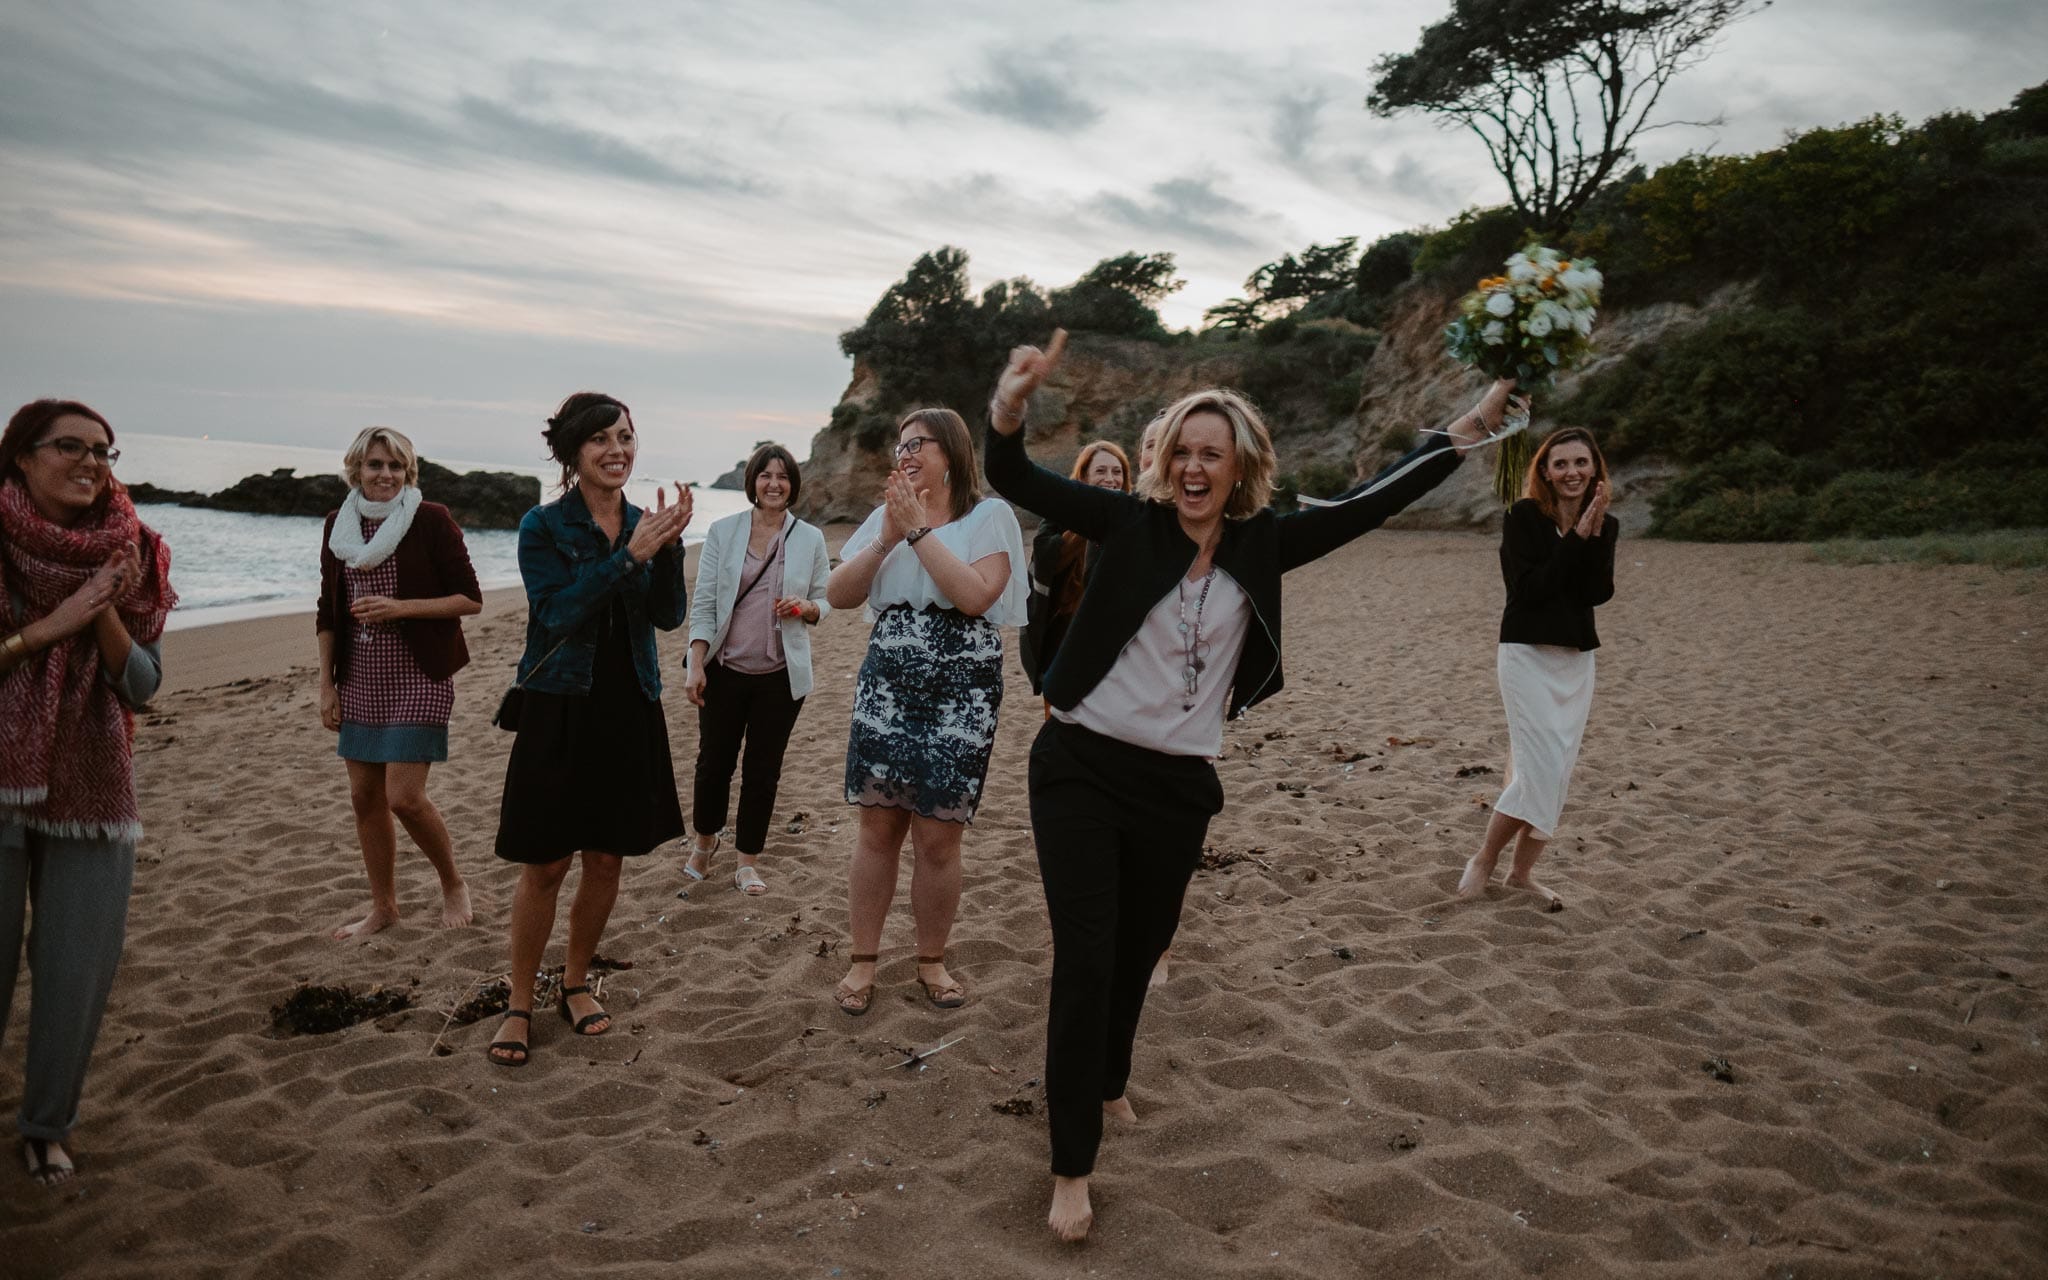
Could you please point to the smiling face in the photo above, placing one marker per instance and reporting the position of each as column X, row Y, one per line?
column 1203, row 468
column 605, row 460
column 62, row 488
column 1104, row 471
column 381, row 473
column 920, row 457
column 771, row 486
column 1570, row 470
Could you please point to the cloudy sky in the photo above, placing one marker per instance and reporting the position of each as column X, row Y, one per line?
column 282, row 222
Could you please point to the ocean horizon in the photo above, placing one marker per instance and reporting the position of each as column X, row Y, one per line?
column 227, row 565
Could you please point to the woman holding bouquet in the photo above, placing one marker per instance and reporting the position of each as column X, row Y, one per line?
column 395, row 584
column 1179, row 627
column 590, row 771
column 1557, row 559
column 84, row 591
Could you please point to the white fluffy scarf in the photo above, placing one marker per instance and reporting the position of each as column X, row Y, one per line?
column 346, row 542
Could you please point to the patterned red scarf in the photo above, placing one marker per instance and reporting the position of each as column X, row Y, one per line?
column 66, row 759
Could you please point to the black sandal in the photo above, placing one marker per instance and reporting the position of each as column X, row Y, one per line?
column 522, row 1047
column 577, row 1024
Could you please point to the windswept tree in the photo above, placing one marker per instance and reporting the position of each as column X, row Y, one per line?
column 1119, row 295
column 1557, row 89
column 1285, row 286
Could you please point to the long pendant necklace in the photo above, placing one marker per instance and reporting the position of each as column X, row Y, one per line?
column 1191, row 639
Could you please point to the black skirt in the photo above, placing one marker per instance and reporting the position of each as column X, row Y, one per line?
column 590, row 772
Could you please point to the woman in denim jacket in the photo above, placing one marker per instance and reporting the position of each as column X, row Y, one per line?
column 590, row 769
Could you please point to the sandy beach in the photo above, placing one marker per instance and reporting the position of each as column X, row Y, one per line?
column 1802, row 853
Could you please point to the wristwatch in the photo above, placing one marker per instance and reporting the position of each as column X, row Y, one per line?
column 910, row 539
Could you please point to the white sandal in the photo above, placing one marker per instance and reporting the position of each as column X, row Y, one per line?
column 706, row 854
column 748, row 881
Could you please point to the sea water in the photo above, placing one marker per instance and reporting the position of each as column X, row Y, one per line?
column 227, row 565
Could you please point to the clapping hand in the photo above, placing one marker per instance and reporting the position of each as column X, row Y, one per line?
column 663, row 526
column 96, row 594
column 1028, row 368
column 1594, row 517
column 902, row 508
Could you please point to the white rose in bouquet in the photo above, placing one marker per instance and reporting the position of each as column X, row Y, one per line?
column 1501, row 304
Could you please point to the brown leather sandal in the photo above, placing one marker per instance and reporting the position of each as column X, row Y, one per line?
column 855, row 1001
column 950, row 996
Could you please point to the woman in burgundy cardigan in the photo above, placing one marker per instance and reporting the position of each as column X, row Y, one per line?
column 395, row 584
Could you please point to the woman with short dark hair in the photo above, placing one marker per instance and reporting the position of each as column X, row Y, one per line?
column 395, row 584
column 760, row 588
column 84, row 591
column 590, row 771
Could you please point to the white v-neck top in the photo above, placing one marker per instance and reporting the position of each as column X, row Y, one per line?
column 1144, row 700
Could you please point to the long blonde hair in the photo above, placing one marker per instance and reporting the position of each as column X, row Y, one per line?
column 1249, row 438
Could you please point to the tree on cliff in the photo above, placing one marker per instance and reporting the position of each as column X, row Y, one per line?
column 1119, row 295
column 1296, row 282
column 1558, row 90
column 930, row 341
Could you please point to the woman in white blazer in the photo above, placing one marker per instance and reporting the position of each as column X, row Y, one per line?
column 760, row 588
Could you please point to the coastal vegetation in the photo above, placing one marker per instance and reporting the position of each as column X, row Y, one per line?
column 1864, row 363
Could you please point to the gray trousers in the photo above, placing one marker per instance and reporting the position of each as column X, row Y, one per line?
column 79, row 893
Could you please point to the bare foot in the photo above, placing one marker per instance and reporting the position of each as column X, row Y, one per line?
column 455, row 909
column 1550, row 897
column 1120, row 1109
column 48, row 1162
column 379, row 919
column 1159, row 978
column 1071, row 1214
column 1473, row 883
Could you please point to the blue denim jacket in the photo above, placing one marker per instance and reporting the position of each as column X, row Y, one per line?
column 571, row 572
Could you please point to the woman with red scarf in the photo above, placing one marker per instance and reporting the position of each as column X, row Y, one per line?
column 84, row 590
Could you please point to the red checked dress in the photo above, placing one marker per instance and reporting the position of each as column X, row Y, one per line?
column 391, row 711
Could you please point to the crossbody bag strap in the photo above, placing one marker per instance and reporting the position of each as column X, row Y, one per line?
column 766, row 565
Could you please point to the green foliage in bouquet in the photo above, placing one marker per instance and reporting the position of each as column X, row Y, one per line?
column 1527, row 323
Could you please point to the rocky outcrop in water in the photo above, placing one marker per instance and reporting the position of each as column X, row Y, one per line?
column 477, row 499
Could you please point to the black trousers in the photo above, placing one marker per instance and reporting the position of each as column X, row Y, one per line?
column 737, row 707
column 1119, row 831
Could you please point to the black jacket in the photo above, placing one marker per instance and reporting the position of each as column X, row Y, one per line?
column 1144, row 552
column 1553, row 579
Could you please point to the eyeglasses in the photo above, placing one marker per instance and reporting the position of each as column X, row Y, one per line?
column 73, row 449
column 913, row 444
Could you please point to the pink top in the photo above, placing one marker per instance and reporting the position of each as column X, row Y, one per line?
column 1144, row 699
column 753, row 642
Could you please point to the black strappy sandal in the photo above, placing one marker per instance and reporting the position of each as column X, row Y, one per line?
column 577, row 1024
column 523, row 1047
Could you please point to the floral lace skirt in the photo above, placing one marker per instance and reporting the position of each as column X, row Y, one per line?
column 924, row 713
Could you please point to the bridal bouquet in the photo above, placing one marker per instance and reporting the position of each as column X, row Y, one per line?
column 1527, row 323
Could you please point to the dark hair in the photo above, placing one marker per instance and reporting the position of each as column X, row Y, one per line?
column 962, row 476
column 581, row 416
column 764, row 455
column 1537, row 483
column 34, row 418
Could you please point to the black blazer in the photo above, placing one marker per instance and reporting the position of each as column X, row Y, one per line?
column 1554, row 579
column 1144, row 552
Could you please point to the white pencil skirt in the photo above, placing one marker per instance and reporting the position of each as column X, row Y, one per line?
column 1547, row 690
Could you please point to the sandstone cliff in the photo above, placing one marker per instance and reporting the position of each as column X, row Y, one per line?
column 1108, row 388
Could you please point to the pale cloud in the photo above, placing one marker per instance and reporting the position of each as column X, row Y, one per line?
column 290, row 217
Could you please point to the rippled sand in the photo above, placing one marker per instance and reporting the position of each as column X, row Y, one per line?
column 1804, row 840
